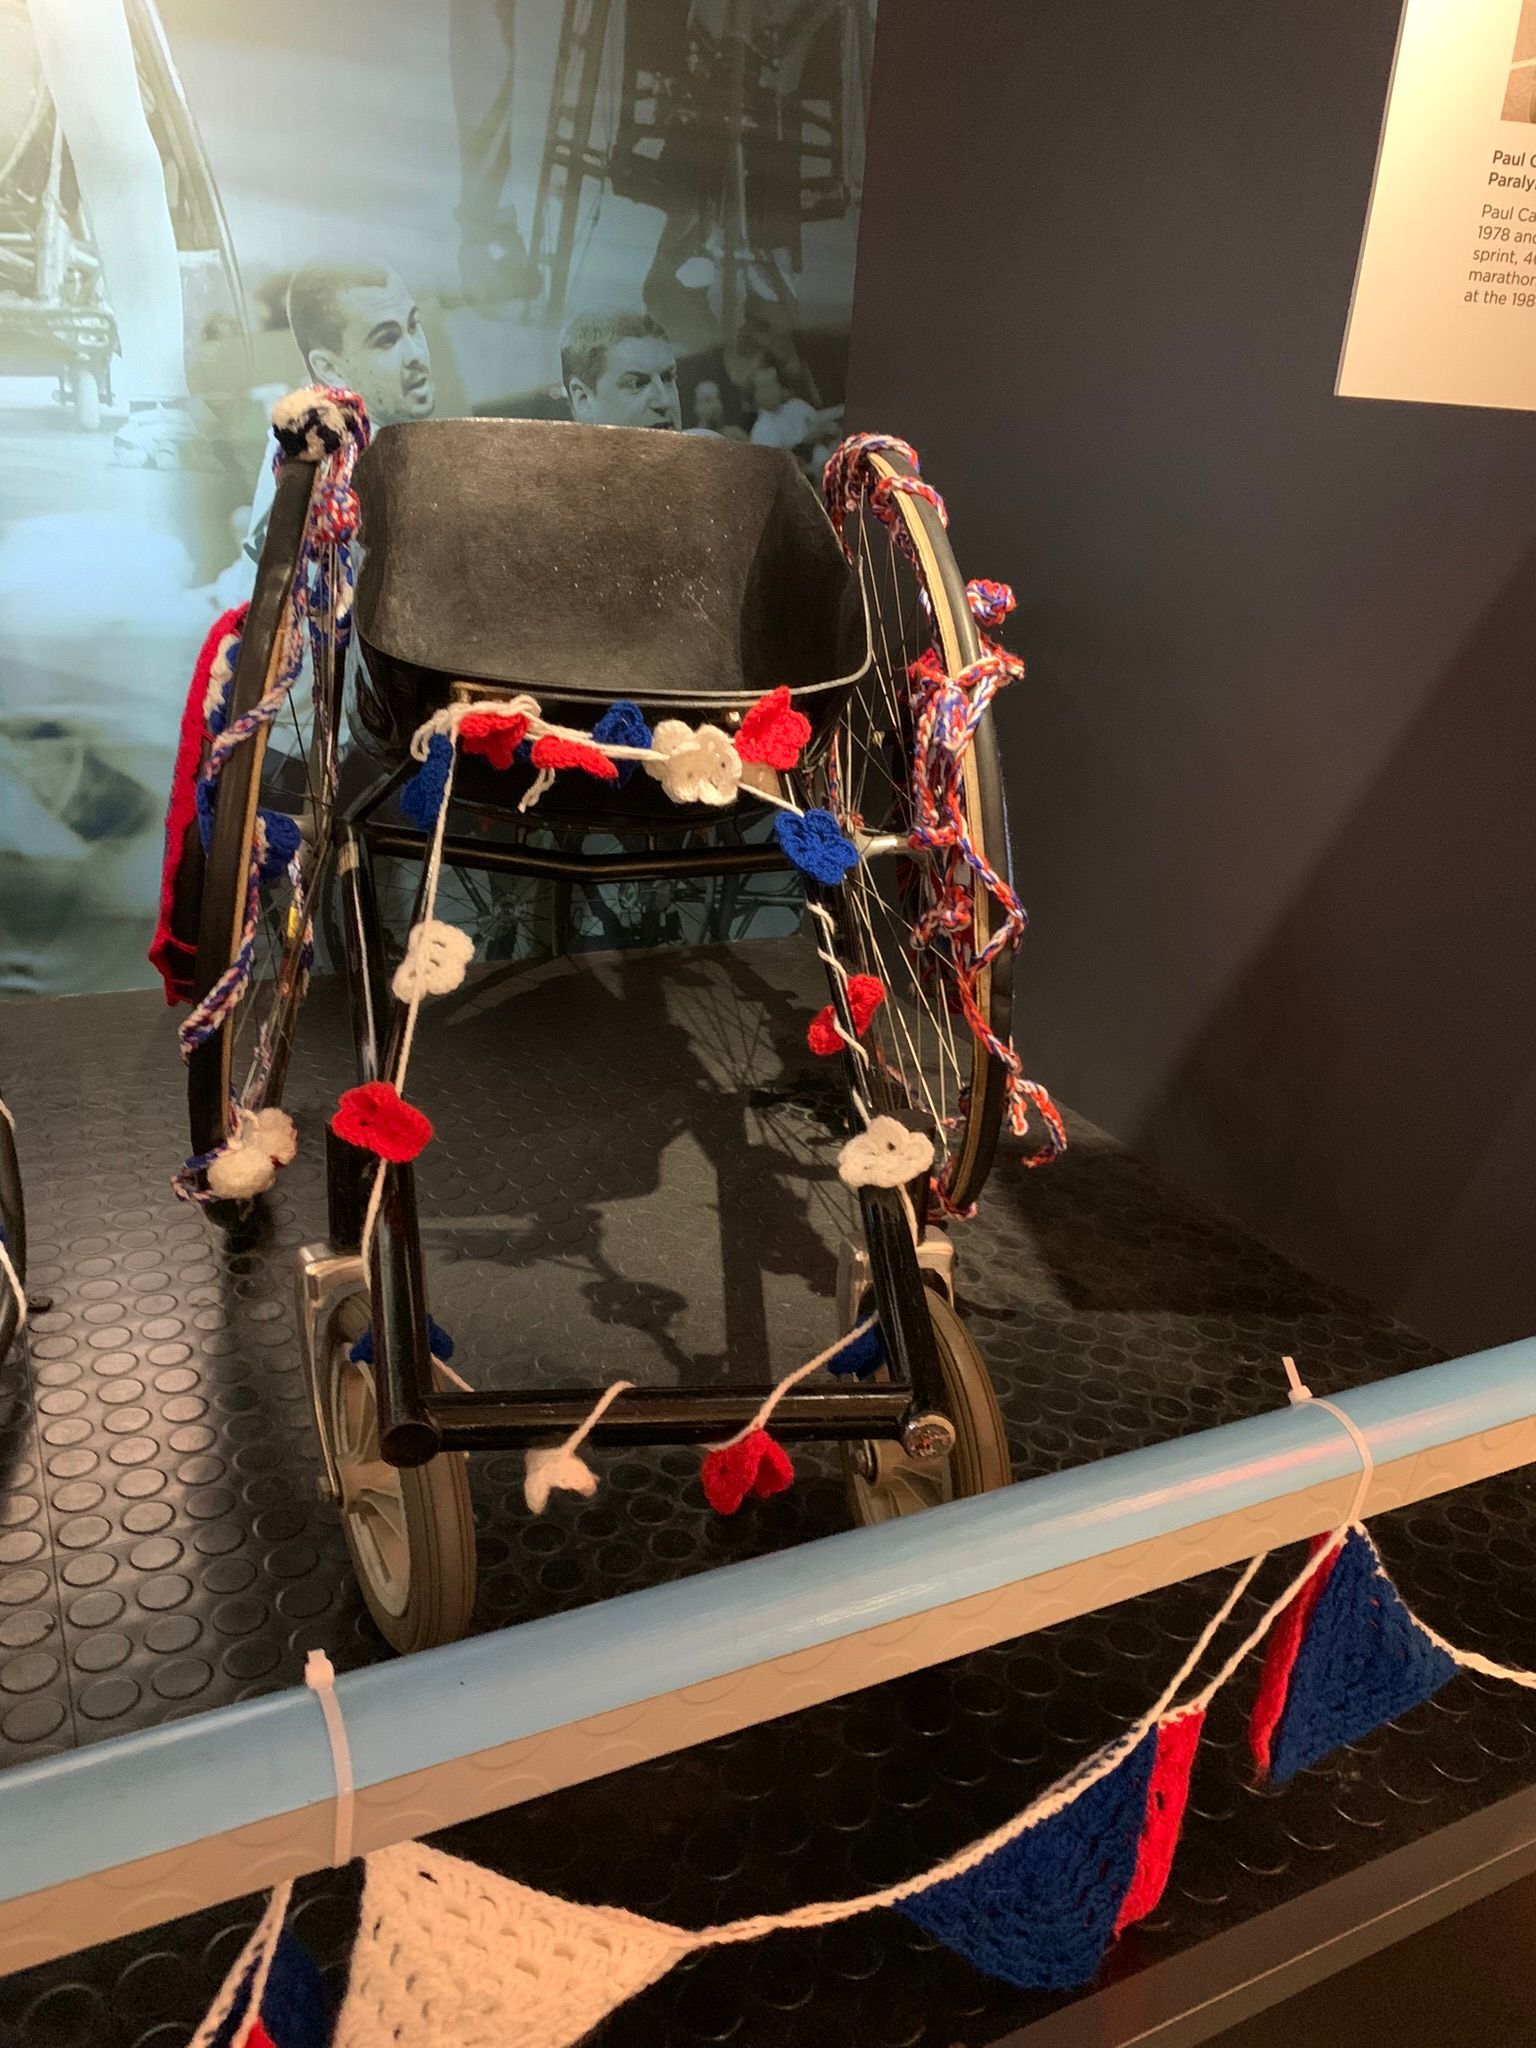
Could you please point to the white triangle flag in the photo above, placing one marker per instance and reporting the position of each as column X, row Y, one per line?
column 450, row 1954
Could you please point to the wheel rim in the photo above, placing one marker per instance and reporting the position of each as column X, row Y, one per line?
column 923, row 1056
column 293, row 774
column 373, row 1507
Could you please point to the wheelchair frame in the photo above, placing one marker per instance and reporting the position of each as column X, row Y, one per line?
column 417, row 1419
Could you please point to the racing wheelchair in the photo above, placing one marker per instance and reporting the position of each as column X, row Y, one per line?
column 665, row 643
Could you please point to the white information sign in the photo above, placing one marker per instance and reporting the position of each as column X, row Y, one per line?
column 1444, row 307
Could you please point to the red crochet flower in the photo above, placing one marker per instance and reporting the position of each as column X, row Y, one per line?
column 866, row 992
column 553, row 752
column 773, row 732
column 755, row 1465
column 496, row 735
column 375, row 1117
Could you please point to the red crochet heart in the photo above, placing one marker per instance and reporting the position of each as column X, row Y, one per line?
column 773, row 732
column 496, row 735
column 755, row 1465
column 553, row 752
column 375, row 1117
column 866, row 992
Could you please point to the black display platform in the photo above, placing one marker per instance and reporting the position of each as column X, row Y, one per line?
column 634, row 1175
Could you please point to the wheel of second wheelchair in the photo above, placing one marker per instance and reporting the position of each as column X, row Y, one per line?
column 285, row 769
column 883, row 1482
column 409, row 1528
column 13, row 1220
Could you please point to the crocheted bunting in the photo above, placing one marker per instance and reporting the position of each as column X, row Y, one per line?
column 1280, row 1658
column 1040, row 1912
column 455, row 1953
column 1362, row 1662
column 1167, row 1796
column 295, row 2011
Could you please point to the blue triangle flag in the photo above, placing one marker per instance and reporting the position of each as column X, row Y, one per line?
column 1363, row 1661
column 1041, row 1911
column 295, row 2009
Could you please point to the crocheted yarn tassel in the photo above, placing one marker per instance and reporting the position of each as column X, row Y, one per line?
column 450, row 1953
column 1177, row 1740
column 1362, row 1661
column 1040, row 1912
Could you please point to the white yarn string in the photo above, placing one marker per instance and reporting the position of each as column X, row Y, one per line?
column 600, row 1407
column 260, row 1948
column 827, row 954
column 320, row 1677
column 418, row 995
column 793, row 1379
column 1300, row 1395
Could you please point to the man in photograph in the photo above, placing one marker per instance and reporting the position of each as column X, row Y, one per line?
column 356, row 325
column 620, row 370
column 784, row 421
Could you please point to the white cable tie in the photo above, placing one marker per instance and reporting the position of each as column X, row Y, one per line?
column 320, row 1677
column 1300, row 1391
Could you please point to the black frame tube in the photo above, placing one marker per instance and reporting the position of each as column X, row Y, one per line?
column 900, row 1295
column 500, row 857
column 416, row 1420
column 663, row 1415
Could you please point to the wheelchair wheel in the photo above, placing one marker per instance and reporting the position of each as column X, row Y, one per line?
column 13, row 1216
column 926, row 1055
column 285, row 767
column 882, row 1482
column 409, row 1529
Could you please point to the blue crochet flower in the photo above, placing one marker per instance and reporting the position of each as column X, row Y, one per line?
column 860, row 1356
column 422, row 797
column 623, row 725
column 438, row 1342
column 283, row 841
column 816, row 845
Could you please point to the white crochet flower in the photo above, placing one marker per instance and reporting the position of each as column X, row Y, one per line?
column 700, row 766
column 887, row 1155
column 436, row 958
column 248, row 1165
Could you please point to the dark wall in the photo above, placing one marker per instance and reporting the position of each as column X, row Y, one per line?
column 1272, row 770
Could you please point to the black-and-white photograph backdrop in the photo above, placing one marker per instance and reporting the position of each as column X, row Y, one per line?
column 631, row 212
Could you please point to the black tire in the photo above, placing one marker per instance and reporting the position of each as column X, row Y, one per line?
column 409, row 1529
column 884, row 1484
column 13, row 1215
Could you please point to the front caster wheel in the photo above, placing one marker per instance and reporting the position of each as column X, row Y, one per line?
column 883, row 1482
column 409, row 1528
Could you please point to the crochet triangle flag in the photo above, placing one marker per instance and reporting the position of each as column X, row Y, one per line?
column 294, row 2012
column 1354, row 1660
column 1167, row 1795
column 1040, row 1911
column 448, row 1950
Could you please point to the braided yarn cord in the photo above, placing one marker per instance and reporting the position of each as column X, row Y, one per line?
column 451, row 1956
